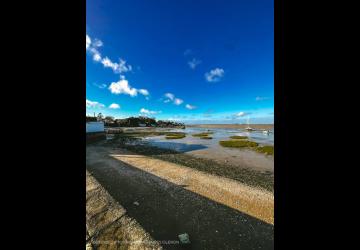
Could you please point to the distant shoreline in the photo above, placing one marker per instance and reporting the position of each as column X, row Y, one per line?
column 254, row 126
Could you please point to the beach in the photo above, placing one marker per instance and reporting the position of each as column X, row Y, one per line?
column 210, row 149
column 221, row 197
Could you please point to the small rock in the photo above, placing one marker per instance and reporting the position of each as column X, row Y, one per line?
column 184, row 238
column 136, row 203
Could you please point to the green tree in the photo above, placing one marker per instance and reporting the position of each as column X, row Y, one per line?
column 100, row 117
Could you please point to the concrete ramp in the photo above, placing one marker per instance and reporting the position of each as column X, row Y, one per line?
column 107, row 224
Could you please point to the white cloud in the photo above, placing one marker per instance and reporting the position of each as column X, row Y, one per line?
column 188, row 106
column 193, row 63
column 120, row 67
column 170, row 96
column 98, row 43
column 143, row 92
column 108, row 63
column 92, row 48
column 178, row 101
column 123, row 87
column 114, row 106
column 95, row 53
column 214, row 75
column 240, row 114
column 261, row 98
column 97, row 57
column 93, row 104
column 148, row 112
column 88, row 41
column 123, row 67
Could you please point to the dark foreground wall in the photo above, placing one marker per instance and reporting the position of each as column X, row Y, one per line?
column 95, row 136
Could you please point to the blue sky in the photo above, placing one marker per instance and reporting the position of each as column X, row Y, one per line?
column 193, row 61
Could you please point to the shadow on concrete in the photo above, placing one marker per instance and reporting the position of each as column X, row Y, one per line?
column 167, row 210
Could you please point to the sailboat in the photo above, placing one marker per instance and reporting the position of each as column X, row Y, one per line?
column 248, row 128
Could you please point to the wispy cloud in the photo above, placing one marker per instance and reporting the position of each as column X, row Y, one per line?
column 171, row 98
column 120, row 67
column 144, row 111
column 187, row 52
column 193, row 63
column 94, row 104
column 100, row 86
column 178, row 101
column 261, row 98
column 214, row 75
column 114, row 106
column 240, row 115
column 123, row 87
column 92, row 47
column 143, row 92
column 191, row 107
column 88, row 41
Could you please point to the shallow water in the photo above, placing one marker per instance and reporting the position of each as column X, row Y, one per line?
column 212, row 150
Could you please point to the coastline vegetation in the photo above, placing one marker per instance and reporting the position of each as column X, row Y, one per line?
column 238, row 137
column 140, row 121
column 202, row 134
column 268, row 150
column 238, row 143
column 175, row 136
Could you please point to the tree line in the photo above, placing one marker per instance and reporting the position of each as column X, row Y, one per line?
column 140, row 121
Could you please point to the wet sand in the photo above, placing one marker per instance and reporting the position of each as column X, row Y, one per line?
column 210, row 149
column 238, row 157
